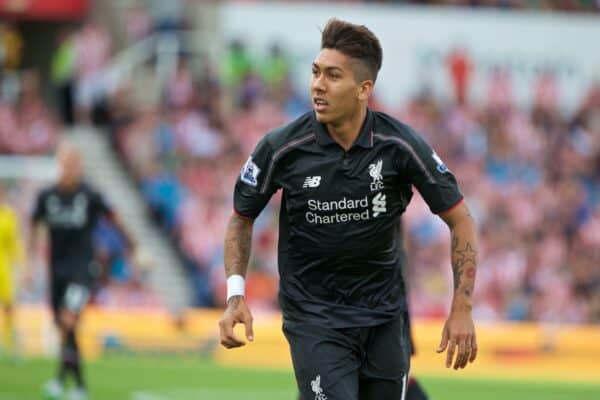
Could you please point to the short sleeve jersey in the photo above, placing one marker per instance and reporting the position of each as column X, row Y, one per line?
column 340, row 250
column 71, row 218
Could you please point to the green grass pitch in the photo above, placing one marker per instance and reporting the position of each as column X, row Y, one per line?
column 186, row 378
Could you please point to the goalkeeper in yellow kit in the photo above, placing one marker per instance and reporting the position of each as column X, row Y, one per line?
column 11, row 255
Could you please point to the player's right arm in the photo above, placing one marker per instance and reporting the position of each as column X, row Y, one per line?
column 253, row 189
column 238, row 242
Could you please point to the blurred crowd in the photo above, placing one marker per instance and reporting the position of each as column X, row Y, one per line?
column 531, row 177
column 26, row 124
column 30, row 127
column 186, row 150
column 543, row 5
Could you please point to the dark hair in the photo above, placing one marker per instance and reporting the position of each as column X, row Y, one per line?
column 355, row 41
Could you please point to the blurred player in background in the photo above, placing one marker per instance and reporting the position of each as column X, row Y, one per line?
column 347, row 175
column 70, row 210
column 11, row 255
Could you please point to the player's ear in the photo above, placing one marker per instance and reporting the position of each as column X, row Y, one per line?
column 365, row 89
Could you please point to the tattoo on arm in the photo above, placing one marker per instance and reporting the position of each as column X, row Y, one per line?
column 238, row 243
column 464, row 262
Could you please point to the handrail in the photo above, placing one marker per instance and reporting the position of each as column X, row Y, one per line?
column 166, row 46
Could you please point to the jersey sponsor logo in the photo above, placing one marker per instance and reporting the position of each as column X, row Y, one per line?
column 311, row 182
column 315, row 385
column 375, row 172
column 74, row 215
column 441, row 167
column 352, row 210
column 334, row 205
column 250, row 172
column 379, row 204
column 345, row 210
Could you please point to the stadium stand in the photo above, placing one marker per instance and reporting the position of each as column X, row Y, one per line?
column 29, row 133
column 531, row 175
column 543, row 5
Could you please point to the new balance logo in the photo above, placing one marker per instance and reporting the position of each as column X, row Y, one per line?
column 312, row 182
column 316, row 387
column 379, row 204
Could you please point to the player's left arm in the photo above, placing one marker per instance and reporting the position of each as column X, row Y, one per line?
column 459, row 330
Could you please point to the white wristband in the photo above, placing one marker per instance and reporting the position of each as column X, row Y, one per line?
column 235, row 286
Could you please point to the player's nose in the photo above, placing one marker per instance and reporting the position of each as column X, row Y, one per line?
column 317, row 84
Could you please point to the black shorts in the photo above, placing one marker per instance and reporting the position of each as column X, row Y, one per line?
column 68, row 293
column 350, row 364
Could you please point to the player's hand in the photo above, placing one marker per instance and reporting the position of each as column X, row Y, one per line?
column 236, row 312
column 459, row 332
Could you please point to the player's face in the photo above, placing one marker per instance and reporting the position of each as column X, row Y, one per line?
column 335, row 92
column 70, row 167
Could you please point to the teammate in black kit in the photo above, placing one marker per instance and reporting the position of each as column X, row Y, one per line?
column 347, row 174
column 70, row 210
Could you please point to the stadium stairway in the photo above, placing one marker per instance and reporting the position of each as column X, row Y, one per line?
column 103, row 170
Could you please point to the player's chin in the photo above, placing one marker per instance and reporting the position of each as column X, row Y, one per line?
column 322, row 117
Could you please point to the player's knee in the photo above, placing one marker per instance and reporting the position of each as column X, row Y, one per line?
column 68, row 320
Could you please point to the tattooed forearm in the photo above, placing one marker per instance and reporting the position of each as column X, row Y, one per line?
column 238, row 243
column 456, row 269
column 464, row 249
column 464, row 264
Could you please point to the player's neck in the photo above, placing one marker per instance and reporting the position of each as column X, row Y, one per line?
column 68, row 186
column 345, row 132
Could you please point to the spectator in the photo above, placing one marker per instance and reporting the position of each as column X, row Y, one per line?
column 11, row 47
column 62, row 74
column 92, row 48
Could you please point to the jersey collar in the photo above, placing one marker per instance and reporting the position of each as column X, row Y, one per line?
column 364, row 139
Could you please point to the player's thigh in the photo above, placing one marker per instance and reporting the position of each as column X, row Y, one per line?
column 387, row 361
column 325, row 362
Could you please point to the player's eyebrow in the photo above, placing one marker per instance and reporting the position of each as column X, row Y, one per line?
column 329, row 68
